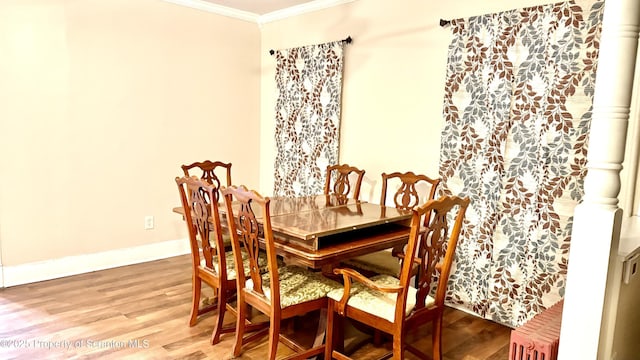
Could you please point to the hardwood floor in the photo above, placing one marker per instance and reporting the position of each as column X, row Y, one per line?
column 141, row 312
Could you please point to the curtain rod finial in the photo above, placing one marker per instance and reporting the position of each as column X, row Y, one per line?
column 348, row 40
column 444, row 22
column 272, row 52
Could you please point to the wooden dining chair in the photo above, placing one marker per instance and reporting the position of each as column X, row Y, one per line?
column 391, row 304
column 208, row 171
column 284, row 291
column 211, row 265
column 411, row 190
column 342, row 181
column 213, row 172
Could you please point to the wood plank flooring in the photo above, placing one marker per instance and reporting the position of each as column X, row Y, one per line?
column 141, row 312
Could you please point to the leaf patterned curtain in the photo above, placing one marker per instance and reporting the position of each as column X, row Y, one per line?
column 517, row 107
column 309, row 81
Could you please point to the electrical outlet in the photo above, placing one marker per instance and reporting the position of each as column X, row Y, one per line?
column 148, row 222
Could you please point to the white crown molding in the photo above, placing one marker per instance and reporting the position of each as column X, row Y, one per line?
column 79, row 264
column 217, row 9
column 260, row 19
column 300, row 9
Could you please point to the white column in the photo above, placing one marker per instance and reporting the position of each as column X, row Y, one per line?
column 597, row 219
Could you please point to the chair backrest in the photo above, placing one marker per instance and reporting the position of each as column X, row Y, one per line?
column 408, row 195
column 200, row 204
column 435, row 228
column 343, row 185
column 208, row 171
column 246, row 233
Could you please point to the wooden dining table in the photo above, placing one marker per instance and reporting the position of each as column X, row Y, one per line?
column 320, row 231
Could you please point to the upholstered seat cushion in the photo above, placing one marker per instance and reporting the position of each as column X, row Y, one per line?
column 231, row 268
column 376, row 302
column 298, row 285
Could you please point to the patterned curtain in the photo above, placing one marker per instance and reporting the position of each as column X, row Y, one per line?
column 517, row 108
column 309, row 81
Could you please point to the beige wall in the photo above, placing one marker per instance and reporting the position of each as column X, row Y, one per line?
column 100, row 102
column 393, row 86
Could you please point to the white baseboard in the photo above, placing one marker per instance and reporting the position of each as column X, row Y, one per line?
column 79, row 264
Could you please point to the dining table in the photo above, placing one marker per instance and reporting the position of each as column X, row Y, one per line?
column 320, row 231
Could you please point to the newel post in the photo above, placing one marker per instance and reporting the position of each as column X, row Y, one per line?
column 596, row 227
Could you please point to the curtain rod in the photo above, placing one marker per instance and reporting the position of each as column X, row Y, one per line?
column 348, row 40
column 444, row 23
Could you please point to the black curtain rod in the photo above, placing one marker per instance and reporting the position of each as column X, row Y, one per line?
column 444, row 22
column 348, row 40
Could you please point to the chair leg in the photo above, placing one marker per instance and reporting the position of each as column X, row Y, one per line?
column 329, row 337
column 274, row 336
column 219, row 318
column 196, row 287
column 437, row 338
column 377, row 338
column 240, row 323
column 335, row 332
column 398, row 347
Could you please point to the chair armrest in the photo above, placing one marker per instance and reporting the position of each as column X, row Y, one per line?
column 351, row 274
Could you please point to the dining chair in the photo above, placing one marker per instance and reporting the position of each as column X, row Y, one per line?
column 411, row 190
column 216, row 268
column 341, row 183
column 208, row 171
column 285, row 291
column 390, row 304
column 212, row 172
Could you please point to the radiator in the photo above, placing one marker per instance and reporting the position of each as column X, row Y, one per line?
column 538, row 338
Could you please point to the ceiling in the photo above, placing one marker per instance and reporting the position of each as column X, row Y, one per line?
column 259, row 11
column 258, row 7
